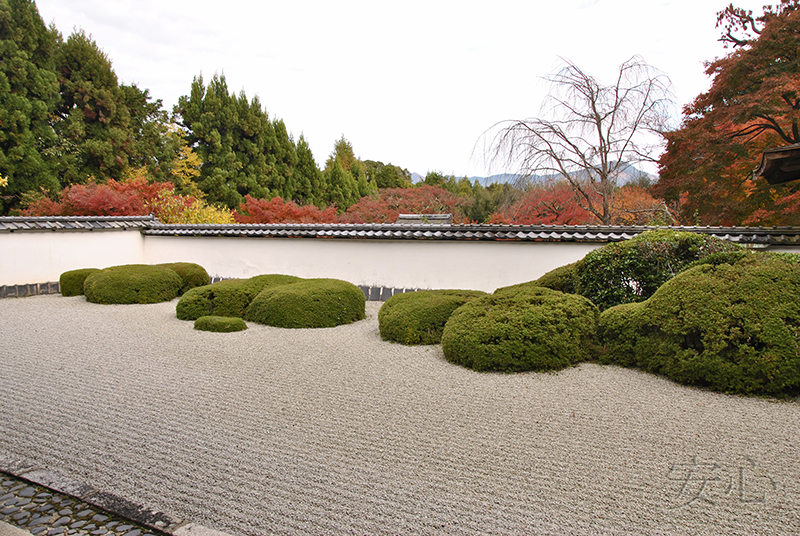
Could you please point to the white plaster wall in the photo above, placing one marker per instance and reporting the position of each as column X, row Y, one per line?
column 39, row 257
column 476, row 265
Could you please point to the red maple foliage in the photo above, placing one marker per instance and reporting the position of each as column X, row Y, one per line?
column 391, row 202
column 129, row 198
column 276, row 210
column 552, row 204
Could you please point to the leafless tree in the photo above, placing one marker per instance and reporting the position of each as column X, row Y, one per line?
column 589, row 134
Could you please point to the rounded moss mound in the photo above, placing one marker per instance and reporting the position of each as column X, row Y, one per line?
column 193, row 275
column 71, row 283
column 311, row 303
column 731, row 328
column 220, row 324
column 631, row 271
column 419, row 317
column 535, row 329
column 227, row 298
column 132, row 283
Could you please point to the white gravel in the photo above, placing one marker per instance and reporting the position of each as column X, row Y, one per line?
column 333, row 431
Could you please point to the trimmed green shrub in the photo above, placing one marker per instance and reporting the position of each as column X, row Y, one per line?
column 419, row 317
column 631, row 271
column 227, row 298
column 617, row 330
column 311, row 303
column 535, row 329
column 71, row 283
column 220, row 324
column 193, row 275
column 132, row 283
column 564, row 279
column 731, row 328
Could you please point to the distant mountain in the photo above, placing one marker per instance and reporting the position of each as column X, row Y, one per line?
column 628, row 175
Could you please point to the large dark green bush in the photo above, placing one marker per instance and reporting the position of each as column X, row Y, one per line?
column 631, row 271
column 71, row 283
column 230, row 297
column 732, row 328
column 419, row 317
column 534, row 329
column 220, row 324
column 311, row 303
column 132, row 283
column 192, row 275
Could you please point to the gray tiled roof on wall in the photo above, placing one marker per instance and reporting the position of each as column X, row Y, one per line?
column 73, row 223
column 764, row 236
column 788, row 236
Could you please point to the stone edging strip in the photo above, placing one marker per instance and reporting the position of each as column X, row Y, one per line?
column 160, row 522
column 36, row 289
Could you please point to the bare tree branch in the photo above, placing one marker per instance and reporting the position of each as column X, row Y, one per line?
column 589, row 133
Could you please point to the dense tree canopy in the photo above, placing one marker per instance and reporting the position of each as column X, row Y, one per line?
column 28, row 93
column 753, row 105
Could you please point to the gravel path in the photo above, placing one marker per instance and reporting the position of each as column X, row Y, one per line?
column 333, row 431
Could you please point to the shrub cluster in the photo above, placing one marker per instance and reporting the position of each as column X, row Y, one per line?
column 220, row 324
column 192, row 275
column 419, row 317
column 132, row 283
column 309, row 303
column 535, row 329
column 631, row 271
column 71, row 283
column 230, row 297
column 729, row 327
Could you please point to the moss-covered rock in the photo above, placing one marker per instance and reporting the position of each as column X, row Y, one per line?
column 220, row 324
column 419, row 317
column 132, row 283
column 193, row 275
column 731, row 328
column 311, row 303
column 536, row 329
column 71, row 283
column 631, row 271
column 230, row 297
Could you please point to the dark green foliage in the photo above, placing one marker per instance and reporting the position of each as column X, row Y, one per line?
column 132, row 283
column 237, row 142
column 220, row 324
column 419, row 317
column 311, row 303
column 533, row 329
column 71, row 283
column 193, row 275
column 631, row 271
column 732, row 328
column 226, row 298
column 28, row 94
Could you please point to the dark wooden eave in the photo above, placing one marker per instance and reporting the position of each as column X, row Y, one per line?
column 780, row 165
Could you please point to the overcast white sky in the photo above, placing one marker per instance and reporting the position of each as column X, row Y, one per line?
column 412, row 83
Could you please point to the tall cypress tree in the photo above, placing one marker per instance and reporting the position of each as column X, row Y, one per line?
column 310, row 183
column 236, row 141
column 28, row 93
